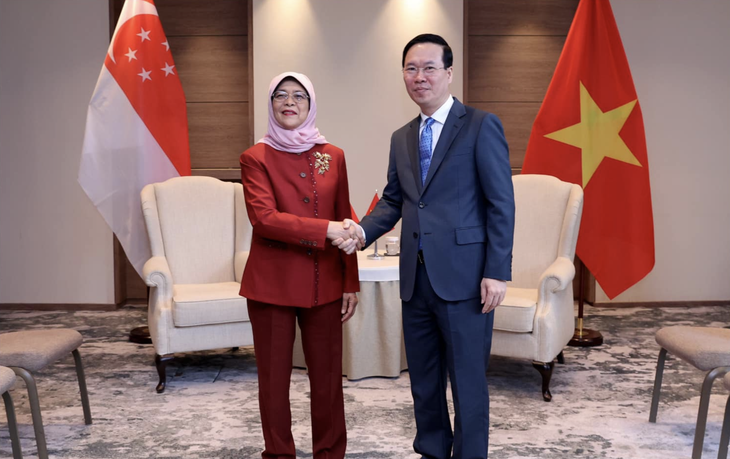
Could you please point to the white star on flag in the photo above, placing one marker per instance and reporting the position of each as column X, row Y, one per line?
column 167, row 45
column 145, row 74
column 145, row 34
column 168, row 69
column 136, row 129
column 131, row 55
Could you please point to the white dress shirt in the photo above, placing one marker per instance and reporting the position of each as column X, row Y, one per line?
column 439, row 117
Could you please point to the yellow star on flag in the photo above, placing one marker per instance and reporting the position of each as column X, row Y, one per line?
column 597, row 135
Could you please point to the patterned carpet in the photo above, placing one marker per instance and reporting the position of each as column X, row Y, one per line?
column 599, row 410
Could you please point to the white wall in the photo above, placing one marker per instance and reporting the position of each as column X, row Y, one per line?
column 351, row 50
column 54, row 246
column 678, row 53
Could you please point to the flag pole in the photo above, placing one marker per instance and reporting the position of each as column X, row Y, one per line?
column 375, row 255
column 584, row 337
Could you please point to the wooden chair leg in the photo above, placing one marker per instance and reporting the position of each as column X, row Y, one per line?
column 561, row 358
column 35, row 410
column 704, row 406
column 161, row 362
column 725, row 435
column 546, row 371
column 657, row 385
column 82, row 387
column 12, row 426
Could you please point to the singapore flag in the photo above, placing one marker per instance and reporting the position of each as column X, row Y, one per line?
column 136, row 126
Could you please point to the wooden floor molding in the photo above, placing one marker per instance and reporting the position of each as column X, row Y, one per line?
column 662, row 304
column 58, row 306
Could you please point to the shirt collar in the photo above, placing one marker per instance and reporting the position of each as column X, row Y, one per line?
column 442, row 113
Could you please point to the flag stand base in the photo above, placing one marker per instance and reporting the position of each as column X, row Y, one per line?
column 375, row 255
column 586, row 338
column 140, row 335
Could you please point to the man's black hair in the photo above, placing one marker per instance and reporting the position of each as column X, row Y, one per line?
column 448, row 56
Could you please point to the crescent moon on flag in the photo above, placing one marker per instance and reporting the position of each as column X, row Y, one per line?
column 131, row 8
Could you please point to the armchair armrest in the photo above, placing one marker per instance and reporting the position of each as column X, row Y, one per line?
column 557, row 277
column 239, row 263
column 156, row 273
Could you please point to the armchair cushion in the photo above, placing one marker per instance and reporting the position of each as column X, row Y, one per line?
column 517, row 311
column 206, row 304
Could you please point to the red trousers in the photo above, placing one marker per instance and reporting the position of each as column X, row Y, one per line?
column 273, row 336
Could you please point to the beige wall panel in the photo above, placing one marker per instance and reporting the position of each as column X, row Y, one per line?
column 203, row 17
column 520, row 17
column 517, row 119
column 218, row 134
column 54, row 245
column 212, row 69
column 352, row 50
column 682, row 83
column 511, row 69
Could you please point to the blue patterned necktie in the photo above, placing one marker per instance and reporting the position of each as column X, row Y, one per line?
column 424, row 149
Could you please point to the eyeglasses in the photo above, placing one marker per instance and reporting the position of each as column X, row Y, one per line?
column 283, row 96
column 412, row 71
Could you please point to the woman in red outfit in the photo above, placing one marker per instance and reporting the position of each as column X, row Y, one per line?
column 295, row 186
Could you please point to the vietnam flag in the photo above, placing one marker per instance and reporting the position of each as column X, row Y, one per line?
column 590, row 131
column 136, row 126
column 373, row 203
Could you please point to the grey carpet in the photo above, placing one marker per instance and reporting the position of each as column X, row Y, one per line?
column 600, row 401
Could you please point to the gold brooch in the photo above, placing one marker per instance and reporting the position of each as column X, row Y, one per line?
column 322, row 162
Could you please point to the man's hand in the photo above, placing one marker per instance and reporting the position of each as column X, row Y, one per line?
column 349, row 237
column 493, row 292
column 349, row 302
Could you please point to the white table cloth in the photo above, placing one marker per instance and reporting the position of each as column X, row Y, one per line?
column 372, row 341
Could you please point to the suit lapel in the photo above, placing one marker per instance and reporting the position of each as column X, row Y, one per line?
column 412, row 145
column 454, row 123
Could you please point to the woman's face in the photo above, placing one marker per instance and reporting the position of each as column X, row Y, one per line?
column 289, row 113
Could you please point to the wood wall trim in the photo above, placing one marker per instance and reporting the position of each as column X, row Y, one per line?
column 250, row 74
column 57, row 307
column 465, row 57
column 221, row 174
column 662, row 304
column 120, row 274
column 212, row 45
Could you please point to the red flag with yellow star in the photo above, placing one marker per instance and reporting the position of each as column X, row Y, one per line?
column 590, row 131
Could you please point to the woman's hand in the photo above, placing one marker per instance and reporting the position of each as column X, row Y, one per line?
column 349, row 302
column 346, row 235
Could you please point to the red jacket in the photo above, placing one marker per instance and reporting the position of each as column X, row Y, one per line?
column 290, row 203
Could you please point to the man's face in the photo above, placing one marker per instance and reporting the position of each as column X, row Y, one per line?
column 429, row 91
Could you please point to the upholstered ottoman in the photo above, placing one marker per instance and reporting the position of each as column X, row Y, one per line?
column 725, row 436
column 705, row 348
column 7, row 381
column 33, row 350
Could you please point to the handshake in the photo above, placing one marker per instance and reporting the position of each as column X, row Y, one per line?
column 346, row 235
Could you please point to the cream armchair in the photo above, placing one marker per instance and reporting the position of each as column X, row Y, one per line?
column 536, row 319
column 200, row 237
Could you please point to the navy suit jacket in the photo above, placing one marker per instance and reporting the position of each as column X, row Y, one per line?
column 464, row 213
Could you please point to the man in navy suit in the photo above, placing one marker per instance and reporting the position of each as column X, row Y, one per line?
column 449, row 179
